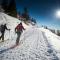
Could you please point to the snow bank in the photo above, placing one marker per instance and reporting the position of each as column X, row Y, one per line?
column 52, row 38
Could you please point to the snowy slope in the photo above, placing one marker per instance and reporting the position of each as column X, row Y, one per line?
column 35, row 43
column 11, row 24
column 53, row 39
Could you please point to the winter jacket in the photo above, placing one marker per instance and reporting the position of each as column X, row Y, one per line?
column 19, row 27
column 2, row 28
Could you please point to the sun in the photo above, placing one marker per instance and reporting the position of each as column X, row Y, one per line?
column 58, row 13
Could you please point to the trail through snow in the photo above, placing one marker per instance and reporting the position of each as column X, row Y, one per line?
column 34, row 46
column 35, row 43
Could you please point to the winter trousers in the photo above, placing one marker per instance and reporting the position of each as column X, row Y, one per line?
column 18, row 37
column 2, row 37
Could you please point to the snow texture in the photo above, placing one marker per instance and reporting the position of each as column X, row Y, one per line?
column 35, row 43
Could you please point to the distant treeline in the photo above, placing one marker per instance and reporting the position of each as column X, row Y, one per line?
column 53, row 30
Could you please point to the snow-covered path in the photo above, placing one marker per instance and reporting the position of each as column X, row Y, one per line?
column 33, row 46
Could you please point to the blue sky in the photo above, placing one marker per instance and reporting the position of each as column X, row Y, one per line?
column 42, row 10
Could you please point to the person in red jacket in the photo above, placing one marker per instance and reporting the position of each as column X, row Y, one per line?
column 19, row 29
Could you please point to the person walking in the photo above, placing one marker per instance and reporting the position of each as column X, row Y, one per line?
column 19, row 29
column 2, row 30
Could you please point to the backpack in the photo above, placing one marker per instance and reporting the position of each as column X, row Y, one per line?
column 18, row 28
column 2, row 28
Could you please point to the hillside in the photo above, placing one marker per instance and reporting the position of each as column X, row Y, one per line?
column 35, row 43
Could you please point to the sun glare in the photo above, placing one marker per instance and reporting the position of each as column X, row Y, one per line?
column 58, row 14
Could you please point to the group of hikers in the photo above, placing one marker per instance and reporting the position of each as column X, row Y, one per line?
column 18, row 30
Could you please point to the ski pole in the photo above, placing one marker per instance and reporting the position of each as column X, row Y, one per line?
column 9, row 34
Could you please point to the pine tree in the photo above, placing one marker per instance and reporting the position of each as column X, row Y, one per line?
column 9, row 7
column 4, row 4
column 25, row 14
column 33, row 20
column 1, row 10
column 12, row 8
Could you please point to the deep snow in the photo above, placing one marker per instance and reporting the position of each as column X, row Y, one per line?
column 35, row 43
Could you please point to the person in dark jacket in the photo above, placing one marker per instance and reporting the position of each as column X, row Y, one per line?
column 19, row 29
column 2, row 30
